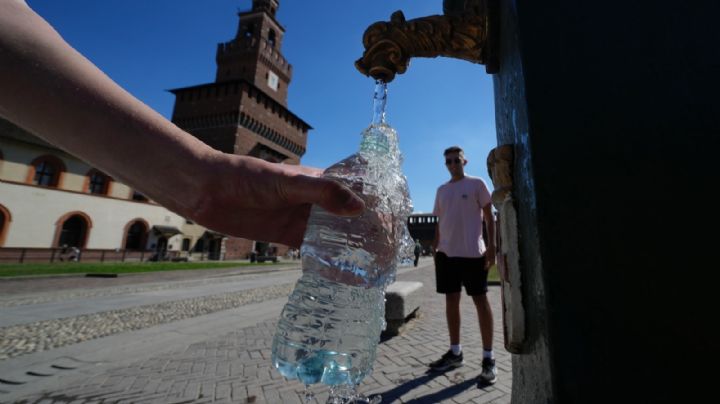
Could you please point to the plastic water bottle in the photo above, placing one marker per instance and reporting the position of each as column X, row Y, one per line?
column 330, row 328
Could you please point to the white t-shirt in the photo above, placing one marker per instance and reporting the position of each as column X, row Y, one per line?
column 458, row 206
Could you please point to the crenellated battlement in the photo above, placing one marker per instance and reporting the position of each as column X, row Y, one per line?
column 237, row 47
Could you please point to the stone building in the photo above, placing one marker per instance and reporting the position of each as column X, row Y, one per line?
column 244, row 111
column 50, row 199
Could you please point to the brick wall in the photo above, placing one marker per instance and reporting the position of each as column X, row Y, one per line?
column 237, row 248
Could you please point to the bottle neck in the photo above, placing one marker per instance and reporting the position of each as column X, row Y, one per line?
column 380, row 138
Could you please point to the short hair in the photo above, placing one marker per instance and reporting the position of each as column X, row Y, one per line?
column 453, row 149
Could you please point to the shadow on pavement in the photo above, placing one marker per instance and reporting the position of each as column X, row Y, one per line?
column 444, row 394
column 397, row 392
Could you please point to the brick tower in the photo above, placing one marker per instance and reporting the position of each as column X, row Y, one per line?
column 245, row 110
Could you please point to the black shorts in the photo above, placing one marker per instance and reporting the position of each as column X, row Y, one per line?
column 451, row 273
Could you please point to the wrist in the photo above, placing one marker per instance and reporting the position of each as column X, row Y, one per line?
column 196, row 180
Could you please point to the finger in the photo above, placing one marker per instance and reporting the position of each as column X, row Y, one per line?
column 330, row 195
column 260, row 165
column 304, row 170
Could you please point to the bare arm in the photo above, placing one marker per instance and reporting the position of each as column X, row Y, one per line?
column 54, row 92
column 489, row 220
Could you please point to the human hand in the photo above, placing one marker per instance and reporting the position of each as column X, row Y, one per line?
column 254, row 199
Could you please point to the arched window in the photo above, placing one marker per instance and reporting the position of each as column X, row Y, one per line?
column 46, row 171
column 97, row 182
column 73, row 230
column 200, row 245
column 271, row 38
column 136, row 235
column 5, row 219
column 45, row 174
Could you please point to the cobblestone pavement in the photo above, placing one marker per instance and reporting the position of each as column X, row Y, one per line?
column 235, row 366
column 41, row 335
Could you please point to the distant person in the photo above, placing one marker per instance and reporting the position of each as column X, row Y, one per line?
column 74, row 254
column 64, row 249
column 418, row 251
column 462, row 258
column 54, row 92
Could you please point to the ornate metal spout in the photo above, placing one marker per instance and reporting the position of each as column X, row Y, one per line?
column 469, row 35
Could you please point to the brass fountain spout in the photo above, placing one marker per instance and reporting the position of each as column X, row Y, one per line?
column 467, row 30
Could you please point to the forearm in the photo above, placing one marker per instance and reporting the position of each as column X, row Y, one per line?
column 491, row 234
column 489, row 220
column 53, row 92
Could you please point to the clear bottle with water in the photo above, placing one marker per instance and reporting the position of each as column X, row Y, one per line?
column 330, row 328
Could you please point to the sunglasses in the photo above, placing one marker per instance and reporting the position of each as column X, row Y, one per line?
column 456, row 160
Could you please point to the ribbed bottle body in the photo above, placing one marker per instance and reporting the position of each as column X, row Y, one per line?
column 329, row 330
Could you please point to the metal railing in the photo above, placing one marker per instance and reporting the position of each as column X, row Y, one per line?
column 15, row 255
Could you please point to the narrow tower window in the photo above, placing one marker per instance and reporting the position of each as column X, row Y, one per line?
column 249, row 29
column 271, row 38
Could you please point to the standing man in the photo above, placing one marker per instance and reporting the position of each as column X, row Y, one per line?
column 418, row 250
column 462, row 258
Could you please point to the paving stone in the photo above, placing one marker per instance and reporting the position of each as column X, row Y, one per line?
column 236, row 367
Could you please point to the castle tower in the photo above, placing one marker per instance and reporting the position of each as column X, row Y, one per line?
column 244, row 111
column 254, row 55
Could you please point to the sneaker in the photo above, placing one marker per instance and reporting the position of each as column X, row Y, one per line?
column 448, row 361
column 489, row 372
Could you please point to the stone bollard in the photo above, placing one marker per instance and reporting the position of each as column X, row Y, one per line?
column 402, row 301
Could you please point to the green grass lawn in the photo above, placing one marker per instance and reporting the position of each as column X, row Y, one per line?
column 493, row 276
column 114, row 267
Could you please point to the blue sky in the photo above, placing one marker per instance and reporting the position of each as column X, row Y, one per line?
column 150, row 46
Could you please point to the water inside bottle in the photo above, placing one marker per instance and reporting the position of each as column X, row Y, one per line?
column 329, row 330
column 365, row 250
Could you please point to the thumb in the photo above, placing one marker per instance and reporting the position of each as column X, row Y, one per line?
column 328, row 194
